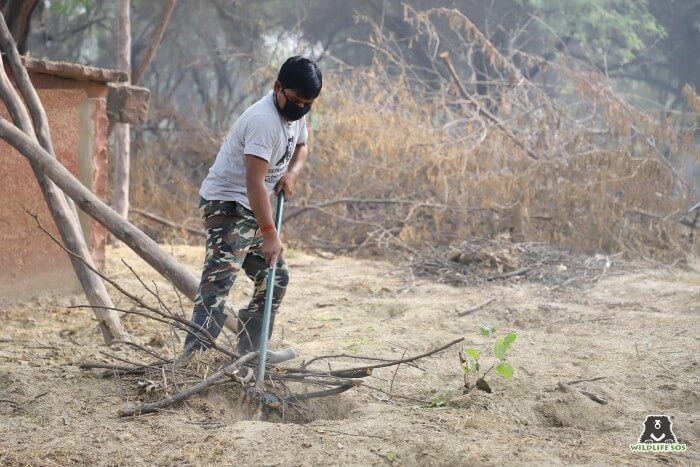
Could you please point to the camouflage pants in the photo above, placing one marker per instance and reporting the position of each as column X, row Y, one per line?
column 233, row 243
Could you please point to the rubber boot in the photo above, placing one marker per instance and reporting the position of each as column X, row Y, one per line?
column 249, row 330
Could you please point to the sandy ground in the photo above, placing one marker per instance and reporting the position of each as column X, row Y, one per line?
column 638, row 330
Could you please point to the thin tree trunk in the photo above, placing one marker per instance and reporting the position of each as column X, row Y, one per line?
column 150, row 52
column 155, row 41
column 63, row 213
column 138, row 241
column 122, row 161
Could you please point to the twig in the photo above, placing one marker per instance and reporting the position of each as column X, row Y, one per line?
column 125, row 360
column 332, row 202
column 506, row 275
column 577, row 381
column 109, row 366
column 143, row 349
column 445, row 56
column 391, row 385
column 379, row 365
column 163, row 221
column 358, row 357
column 476, row 308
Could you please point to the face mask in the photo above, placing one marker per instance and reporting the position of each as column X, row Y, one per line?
column 291, row 111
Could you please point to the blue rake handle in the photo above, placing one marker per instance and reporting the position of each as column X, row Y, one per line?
column 265, row 333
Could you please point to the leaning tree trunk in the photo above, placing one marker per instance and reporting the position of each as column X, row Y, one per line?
column 122, row 158
column 92, row 205
column 155, row 41
column 63, row 212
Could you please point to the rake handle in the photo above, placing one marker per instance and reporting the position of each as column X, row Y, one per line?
column 267, row 312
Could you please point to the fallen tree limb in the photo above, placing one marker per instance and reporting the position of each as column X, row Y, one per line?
column 138, row 241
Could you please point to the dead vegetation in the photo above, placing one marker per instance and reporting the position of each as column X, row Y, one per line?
column 413, row 159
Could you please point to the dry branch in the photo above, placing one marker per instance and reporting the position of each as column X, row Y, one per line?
column 166, row 222
column 445, row 56
column 476, row 308
column 380, row 201
column 346, row 371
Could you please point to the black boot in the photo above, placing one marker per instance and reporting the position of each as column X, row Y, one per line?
column 249, row 330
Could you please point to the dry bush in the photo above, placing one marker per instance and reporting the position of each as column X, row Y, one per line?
column 401, row 159
column 603, row 178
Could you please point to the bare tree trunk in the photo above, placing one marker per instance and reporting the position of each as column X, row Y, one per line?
column 92, row 205
column 150, row 52
column 155, row 41
column 63, row 213
column 122, row 161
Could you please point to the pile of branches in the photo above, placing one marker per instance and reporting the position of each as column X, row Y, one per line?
column 223, row 366
column 284, row 393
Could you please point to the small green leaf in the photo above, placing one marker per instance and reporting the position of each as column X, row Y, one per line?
column 505, row 369
column 391, row 456
column 486, row 330
column 500, row 349
column 439, row 401
column 473, row 353
column 510, row 338
column 470, row 366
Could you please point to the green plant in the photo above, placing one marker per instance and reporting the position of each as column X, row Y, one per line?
column 471, row 359
column 441, row 400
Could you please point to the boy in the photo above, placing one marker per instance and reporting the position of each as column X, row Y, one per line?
column 264, row 151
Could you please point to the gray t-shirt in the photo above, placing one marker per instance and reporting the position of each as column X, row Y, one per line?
column 259, row 131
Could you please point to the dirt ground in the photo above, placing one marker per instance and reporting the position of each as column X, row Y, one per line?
column 638, row 330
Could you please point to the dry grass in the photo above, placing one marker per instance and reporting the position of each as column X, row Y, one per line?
column 606, row 177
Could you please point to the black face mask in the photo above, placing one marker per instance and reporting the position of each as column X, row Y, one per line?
column 291, row 111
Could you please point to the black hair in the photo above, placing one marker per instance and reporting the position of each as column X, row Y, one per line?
column 301, row 75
